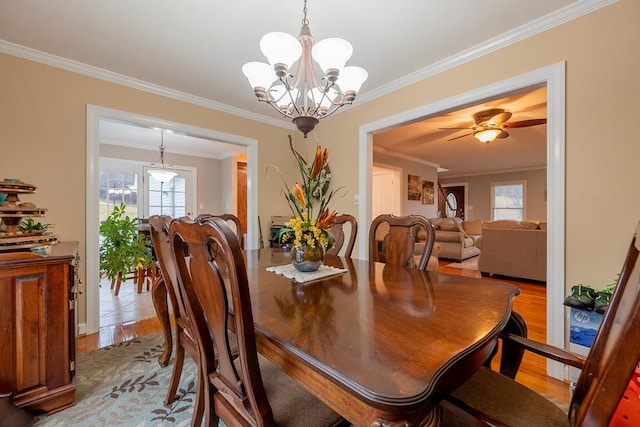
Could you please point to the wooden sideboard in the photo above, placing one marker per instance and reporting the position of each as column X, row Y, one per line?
column 38, row 324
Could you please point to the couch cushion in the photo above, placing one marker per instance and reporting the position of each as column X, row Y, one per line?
column 473, row 227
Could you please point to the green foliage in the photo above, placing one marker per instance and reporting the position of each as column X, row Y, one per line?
column 123, row 249
column 29, row 224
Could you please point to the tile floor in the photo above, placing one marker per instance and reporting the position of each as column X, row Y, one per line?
column 129, row 306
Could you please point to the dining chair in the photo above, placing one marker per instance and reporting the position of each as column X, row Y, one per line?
column 227, row 217
column 246, row 390
column 183, row 328
column 494, row 399
column 337, row 229
column 396, row 244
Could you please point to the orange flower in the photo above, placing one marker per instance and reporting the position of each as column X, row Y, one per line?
column 319, row 162
column 297, row 190
column 325, row 220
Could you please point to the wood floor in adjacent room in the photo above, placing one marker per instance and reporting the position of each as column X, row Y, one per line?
column 531, row 304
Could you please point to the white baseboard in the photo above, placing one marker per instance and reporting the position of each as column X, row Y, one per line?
column 82, row 329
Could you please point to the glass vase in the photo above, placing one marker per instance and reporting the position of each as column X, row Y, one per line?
column 307, row 258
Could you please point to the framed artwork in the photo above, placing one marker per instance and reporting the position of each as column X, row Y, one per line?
column 427, row 192
column 413, row 188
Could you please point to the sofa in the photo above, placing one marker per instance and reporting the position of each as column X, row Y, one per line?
column 514, row 248
column 456, row 238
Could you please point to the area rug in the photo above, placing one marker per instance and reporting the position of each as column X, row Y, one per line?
column 467, row 264
column 123, row 385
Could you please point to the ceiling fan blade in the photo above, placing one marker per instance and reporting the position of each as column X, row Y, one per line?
column 501, row 118
column 461, row 136
column 503, row 134
column 457, row 128
column 525, row 123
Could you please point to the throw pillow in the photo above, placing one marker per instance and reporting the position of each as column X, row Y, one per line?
column 448, row 226
column 453, row 226
column 473, row 227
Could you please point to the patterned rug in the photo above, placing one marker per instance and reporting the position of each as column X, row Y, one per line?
column 123, row 385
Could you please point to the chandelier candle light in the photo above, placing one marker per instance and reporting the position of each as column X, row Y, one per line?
column 161, row 172
column 296, row 91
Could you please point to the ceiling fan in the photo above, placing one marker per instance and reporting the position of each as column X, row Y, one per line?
column 491, row 124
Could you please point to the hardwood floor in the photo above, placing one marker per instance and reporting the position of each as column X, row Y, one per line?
column 531, row 304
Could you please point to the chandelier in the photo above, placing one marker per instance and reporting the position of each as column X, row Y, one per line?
column 160, row 171
column 292, row 82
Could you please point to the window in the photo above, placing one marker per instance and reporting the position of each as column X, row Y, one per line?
column 115, row 188
column 507, row 200
column 167, row 198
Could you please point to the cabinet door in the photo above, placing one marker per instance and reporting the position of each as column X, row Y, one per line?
column 23, row 356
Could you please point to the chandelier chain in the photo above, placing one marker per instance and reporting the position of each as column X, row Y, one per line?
column 305, row 21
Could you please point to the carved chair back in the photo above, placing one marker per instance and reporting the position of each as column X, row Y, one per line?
column 159, row 231
column 338, row 232
column 398, row 244
column 227, row 217
column 214, row 280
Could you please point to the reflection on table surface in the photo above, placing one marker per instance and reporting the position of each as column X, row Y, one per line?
column 387, row 329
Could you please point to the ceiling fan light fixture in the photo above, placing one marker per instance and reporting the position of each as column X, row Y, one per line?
column 487, row 135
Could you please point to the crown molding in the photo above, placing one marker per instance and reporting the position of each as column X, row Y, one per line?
column 402, row 156
column 492, row 172
column 102, row 74
column 537, row 26
column 530, row 29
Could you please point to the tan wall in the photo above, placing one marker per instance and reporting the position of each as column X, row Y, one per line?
column 602, row 69
column 43, row 136
column 479, row 188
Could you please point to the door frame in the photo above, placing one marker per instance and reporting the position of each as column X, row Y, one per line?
column 94, row 115
column 466, row 194
column 397, row 173
column 554, row 77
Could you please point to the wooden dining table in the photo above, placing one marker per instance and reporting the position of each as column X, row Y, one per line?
column 380, row 344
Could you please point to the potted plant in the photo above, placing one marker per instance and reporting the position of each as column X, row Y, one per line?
column 123, row 249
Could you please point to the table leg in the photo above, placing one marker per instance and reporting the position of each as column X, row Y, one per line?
column 159, row 296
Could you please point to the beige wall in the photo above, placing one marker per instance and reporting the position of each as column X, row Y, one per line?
column 479, row 189
column 602, row 69
column 43, row 135
column 43, row 138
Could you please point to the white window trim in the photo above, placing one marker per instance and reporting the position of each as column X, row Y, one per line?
column 524, row 196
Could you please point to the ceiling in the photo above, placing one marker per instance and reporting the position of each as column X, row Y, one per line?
column 194, row 50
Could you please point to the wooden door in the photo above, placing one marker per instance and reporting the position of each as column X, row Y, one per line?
column 242, row 195
column 451, row 202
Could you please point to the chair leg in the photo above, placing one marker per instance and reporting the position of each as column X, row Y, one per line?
column 177, row 372
column 139, row 278
column 118, row 282
column 199, row 406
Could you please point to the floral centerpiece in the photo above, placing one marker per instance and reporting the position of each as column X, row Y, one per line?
column 308, row 231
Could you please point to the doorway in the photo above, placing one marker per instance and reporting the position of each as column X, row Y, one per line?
column 553, row 77
column 452, row 201
column 95, row 115
column 385, row 190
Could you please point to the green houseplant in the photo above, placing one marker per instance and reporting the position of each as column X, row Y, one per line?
column 123, row 249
